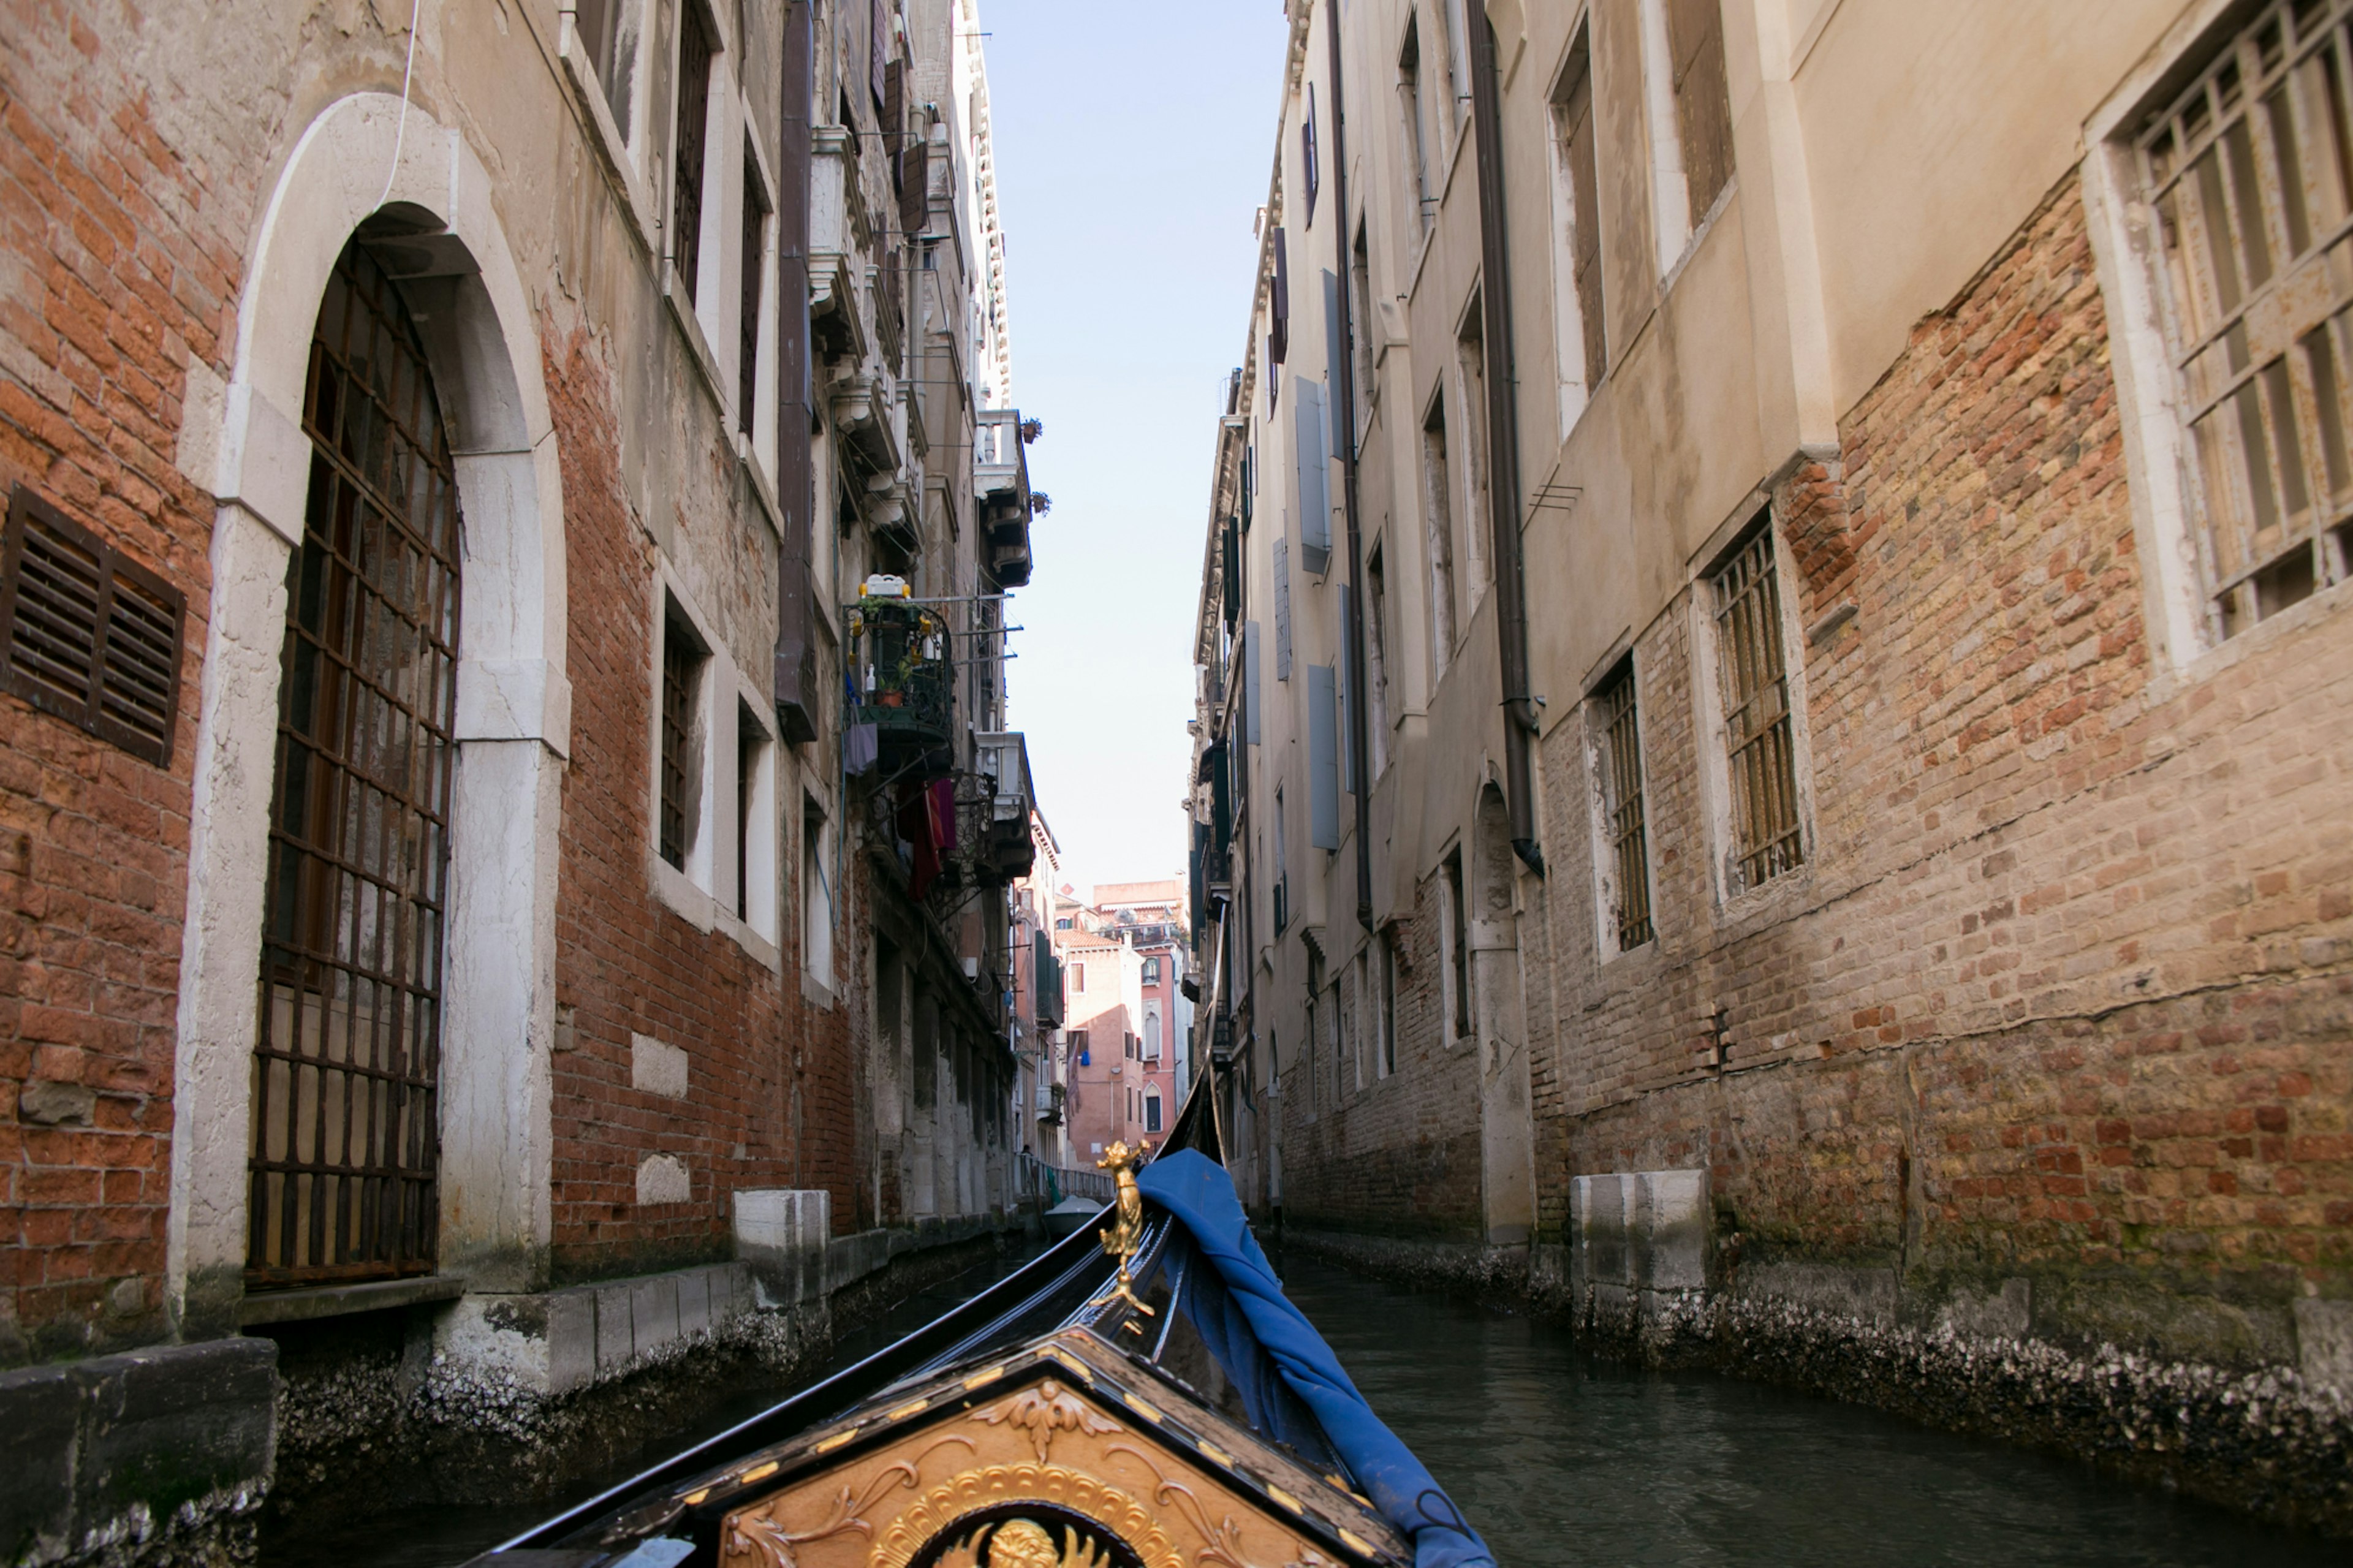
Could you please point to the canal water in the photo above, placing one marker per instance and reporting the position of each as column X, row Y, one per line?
column 1561, row 1457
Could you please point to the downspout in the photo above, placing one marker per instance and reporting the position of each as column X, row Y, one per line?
column 1344, row 380
column 796, row 675
column 1502, row 446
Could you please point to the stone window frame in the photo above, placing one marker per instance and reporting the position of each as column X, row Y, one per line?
column 703, row 892
column 1571, row 331
column 1623, row 656
column 1676, row 230
column 239, row 444
column 1755, row 515
column 2160, row 465
column 622, row 149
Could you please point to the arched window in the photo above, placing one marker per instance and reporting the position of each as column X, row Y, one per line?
column 1152, row 1110
column 345, row 1127
column 1152, row 1033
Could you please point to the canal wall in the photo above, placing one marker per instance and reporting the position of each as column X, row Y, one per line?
column 1649, row 1273
column 498, row 1400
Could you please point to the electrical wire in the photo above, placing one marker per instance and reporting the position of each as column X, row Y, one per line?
column 400, row 131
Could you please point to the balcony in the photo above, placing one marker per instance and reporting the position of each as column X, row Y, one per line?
column 1003, row 849
column 905, row 682
column 1000, row 490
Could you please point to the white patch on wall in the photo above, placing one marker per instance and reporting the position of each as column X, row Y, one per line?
column 661, row 1179
column 656, row 1068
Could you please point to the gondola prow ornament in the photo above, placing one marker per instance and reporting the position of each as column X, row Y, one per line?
column 1124, row 1236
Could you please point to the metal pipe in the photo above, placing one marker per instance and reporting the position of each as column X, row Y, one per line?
column 1502, row 445
column 1343, row 383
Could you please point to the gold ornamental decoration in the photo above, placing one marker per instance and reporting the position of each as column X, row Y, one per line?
column 1124, row 1237
column 938, row 1511
column 1042, row 1412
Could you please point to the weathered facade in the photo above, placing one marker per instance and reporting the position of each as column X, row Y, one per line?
column 1773, row 654
column 461, row 932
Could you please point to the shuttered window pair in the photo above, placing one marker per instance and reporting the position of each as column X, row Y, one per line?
column 92, row 636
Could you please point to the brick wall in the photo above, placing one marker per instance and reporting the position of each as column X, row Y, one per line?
column 1399, row 1153
column 114, row 271
column 2063, row 989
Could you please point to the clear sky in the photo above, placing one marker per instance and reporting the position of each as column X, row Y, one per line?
column 1133, row 142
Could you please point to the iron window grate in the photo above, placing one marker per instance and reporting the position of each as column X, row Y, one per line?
column 695, row 52
column 1767, row 840
column 93, row 637
column 344, row 1156
column 2249, row 172
column 1622, row 798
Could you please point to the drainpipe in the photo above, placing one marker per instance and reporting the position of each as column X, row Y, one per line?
column 796, row 675
column 1502, row 445
column 1344, row 384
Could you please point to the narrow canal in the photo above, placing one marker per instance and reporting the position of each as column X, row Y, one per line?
column 1564, row 1459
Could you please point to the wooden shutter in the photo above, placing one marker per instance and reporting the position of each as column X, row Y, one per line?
column 1278, row 335
column 93, row 637
column 1312, row 476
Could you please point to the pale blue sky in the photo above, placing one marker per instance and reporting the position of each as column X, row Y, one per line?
column 1134, row 143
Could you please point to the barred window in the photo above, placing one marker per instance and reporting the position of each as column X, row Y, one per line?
column 1756, row 730
column 2250, row 173
column 1621, row 802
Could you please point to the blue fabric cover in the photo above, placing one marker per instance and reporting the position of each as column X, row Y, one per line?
column 1197, row 1191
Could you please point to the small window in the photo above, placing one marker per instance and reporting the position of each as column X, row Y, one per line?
column 1758, row 738
column 1077, row 977
column 1360, row 306
column 1308, row 170
column 816, row 894
column 609, row 30
column 1437, row 521
column 1471, row 375
column 1152, row 971
column 93, row 637
column 756, row 824
column 2248, row 171
column 1388, row 1000
column 696, row 53
column 1409, row 111
column 1457, row 948
column 755, row 292
column 1152, row 1112
column 682, row 662
column 1579, row 340
column 1628, row 861
column 1377, row 656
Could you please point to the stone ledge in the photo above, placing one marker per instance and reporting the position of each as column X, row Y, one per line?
column 173, row 1439
column 334, row 1300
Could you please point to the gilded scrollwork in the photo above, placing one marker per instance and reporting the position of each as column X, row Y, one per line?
column 968, row 1491
column 1023, row 1543
column 1043, row 1411
column 1221, row 1540
column 757, row 1536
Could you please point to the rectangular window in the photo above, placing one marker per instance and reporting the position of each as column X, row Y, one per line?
column 1579, row 341
column 1759, row 739
column 1628, row 862
column 1470, row 375
column 682, row 661
column 1360, row 303
column 817, row 895
column 695, row 54
column 757, row 865
column 1307, row 159
column 1702, row 100
column 2248, row 171
column 1313, row 1084
column 754, row 293
column 1152, row 1113
column 1437, row 522
column 1078, row 978
column 1409, row 111
column 610, row 29
column 1152, row 971
column 1456, row 107
column 1282, row 869
column 1457, row 948
column 1376, row 659
column 1388, row 1000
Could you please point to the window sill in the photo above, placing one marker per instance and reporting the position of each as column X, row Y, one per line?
column 612, row 146
column 690, row 326
column 692, row 904
column 338, row 1301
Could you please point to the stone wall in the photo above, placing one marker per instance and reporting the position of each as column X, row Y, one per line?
column 2063, row 991
column 1395, row 1154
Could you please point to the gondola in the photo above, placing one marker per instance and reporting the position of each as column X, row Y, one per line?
column 1141, row 1395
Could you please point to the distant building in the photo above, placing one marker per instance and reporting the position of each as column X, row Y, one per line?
column 1122, row 1050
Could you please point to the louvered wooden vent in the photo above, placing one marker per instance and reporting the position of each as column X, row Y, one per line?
column 92, row 636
